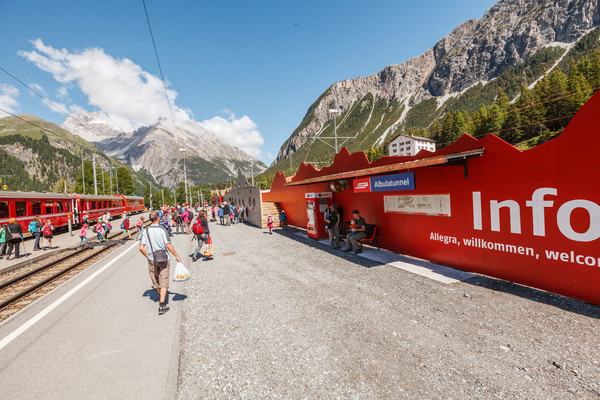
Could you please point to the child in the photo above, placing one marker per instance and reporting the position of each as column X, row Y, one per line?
column 352, row 226
column 47, row 233
column 270, row 224
column 125, row 226
column 98, row 229
column 140, row 228
column 83, row 235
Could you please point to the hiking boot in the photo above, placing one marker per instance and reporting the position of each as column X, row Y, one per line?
column 162, row 308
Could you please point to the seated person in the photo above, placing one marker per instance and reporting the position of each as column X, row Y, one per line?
column 356, row 234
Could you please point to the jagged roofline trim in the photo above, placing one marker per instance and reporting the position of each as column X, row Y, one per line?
column 424, row 162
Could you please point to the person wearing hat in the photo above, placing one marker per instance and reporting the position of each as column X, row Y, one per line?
column 332, row 220
column 283, row 220
column 353, row 241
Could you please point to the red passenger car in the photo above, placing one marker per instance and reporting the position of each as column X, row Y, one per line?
column 58, row 207
column 24, row 206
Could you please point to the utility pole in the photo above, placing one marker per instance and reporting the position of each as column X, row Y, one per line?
column 3, row 178
column 103, row 190
column 82, row 171
column 162, row 192
column 94, row 169
column 110, row 177
column 150, row 196
column 117, row 178
column 252, row 165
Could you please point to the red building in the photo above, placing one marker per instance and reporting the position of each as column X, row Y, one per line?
column 480, row 205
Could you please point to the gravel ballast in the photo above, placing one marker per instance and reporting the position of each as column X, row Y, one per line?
column 280, row 316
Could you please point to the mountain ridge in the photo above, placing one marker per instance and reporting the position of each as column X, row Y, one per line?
column 476, row 51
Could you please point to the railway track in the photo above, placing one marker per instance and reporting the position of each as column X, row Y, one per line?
column 17, row 292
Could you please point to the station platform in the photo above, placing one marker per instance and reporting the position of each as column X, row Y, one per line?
column 60, row 243
column 97, row 336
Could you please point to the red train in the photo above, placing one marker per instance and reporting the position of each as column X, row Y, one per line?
column 24, row 206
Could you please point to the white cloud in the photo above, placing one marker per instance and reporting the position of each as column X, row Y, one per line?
column 38, row 89
column 119, row 88
column 8, row 99
column 239, row 132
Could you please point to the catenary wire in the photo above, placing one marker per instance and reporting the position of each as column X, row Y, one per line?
column 159, row 67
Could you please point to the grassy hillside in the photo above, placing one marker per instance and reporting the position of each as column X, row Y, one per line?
column 37, row 155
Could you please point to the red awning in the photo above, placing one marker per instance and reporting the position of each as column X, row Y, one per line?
column 423, row 162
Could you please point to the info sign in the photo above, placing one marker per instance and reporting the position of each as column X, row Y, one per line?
column 386, row 183
column 425, row 204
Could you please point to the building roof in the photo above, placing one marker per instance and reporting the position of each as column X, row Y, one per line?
column 413, row 137
column 422, row 162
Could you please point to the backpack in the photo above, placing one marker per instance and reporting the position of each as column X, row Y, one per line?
column 190, row 215
column 197, row 229
column 32, row 228
column 47, row 230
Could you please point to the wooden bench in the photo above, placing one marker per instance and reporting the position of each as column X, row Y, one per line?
column 371, row 231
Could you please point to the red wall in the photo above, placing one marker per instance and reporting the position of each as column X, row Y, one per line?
column 566, row 164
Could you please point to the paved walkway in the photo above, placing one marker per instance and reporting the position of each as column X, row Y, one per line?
column 99, row 336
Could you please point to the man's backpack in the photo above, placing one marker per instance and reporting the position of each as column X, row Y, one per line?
column 197, row 229
column 190, row 215
column 32, row 228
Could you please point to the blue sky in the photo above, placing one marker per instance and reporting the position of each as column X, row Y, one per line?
column 249, row 70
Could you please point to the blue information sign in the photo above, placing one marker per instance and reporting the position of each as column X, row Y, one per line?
column 389, row 183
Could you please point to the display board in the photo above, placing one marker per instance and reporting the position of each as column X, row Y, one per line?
column 422, row 204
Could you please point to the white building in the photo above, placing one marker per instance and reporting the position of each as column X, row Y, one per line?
column 407, row 145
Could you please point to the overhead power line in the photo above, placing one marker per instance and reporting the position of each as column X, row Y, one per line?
column 159, row 67
column 35, row 92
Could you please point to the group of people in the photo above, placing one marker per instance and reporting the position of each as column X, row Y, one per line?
column 229, row 214
column 355, row 234
column 11, row 236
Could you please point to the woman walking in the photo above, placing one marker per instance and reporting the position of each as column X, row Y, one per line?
column 14, row 237
column 203, row 237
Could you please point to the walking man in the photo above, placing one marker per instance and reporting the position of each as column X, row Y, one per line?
column 157, row 240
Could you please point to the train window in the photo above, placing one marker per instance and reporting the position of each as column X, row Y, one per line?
column 3, row 209
column 92, row 205
column 59, row 207
column 36, row 207
column 48, row 206
column 21, row 207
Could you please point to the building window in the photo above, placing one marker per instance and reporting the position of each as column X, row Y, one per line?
column 21, row 208
column 3, row 209
column 36, row 207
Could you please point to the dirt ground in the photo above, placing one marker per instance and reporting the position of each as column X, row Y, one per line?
column 280, row 316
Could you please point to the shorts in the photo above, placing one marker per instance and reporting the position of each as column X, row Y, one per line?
column 159, row 275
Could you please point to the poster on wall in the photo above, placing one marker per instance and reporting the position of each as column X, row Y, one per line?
column 424, row 204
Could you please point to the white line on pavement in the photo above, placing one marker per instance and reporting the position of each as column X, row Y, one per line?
column 52, row 306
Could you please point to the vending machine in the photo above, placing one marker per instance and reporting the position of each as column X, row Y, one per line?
column 316, row 204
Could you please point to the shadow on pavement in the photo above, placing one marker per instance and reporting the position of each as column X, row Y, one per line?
column 539, row 296
column 529, row 293
column 152, row 294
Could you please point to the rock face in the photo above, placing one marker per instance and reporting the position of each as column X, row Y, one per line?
column 477, row 50
column 157, row 149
